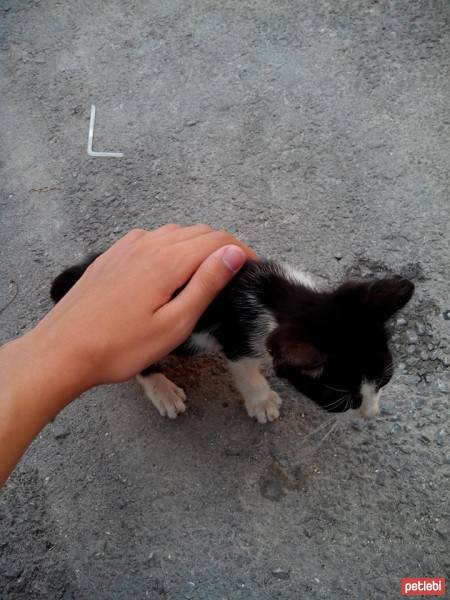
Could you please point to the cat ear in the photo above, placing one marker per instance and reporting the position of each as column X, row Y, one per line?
column 287, row 347
column 381, row 298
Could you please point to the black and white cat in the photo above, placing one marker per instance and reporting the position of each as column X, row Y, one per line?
column 331, row 345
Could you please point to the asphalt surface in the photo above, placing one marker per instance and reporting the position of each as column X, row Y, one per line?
column 318, row 132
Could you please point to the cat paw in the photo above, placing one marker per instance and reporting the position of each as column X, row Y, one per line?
column 265, row 409
column 167, row 397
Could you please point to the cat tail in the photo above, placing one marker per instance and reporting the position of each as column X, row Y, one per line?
column 65, row 280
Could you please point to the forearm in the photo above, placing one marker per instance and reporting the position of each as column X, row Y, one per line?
column 36, row 383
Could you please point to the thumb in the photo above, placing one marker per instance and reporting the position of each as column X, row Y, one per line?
column 210, row 278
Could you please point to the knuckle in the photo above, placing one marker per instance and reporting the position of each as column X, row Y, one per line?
column 136, row 232
column 205, row 227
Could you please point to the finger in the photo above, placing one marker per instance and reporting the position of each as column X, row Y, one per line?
column 134, row 235
column 181, row 234
column 129, row 238
column 182, row 313
column 191, row 253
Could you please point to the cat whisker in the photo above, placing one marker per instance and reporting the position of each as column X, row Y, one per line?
column 314, row 431
column 336, row 402
column 330, row 387
column 328, row 433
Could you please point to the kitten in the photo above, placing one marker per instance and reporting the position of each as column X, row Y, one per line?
column 331, row 345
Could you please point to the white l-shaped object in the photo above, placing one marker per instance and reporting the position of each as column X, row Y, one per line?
column 91, row 137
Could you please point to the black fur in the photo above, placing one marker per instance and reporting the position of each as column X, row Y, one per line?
column 324, row 342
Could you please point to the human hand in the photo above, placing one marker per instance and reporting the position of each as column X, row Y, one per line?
column 119, row 317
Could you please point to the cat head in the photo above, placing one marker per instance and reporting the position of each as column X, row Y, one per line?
column 336, row 350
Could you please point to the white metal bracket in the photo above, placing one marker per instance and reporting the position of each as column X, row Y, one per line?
column 91, row 137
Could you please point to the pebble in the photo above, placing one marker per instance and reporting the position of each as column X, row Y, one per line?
column 190, row 589
column 411, row 360
column 425, row 439
column 420, row 328
column 401, row 321
column 396, row 428
column 412, row 379
column 381, row 478
column 424, row 355
column 412, row 336
column 442, row 529
column 411, row 349
column 440, row 437
column 59, row 431
column 153, row 560
column 442, row 386
column 281, row 573
column 420, row 402
column 388, row 409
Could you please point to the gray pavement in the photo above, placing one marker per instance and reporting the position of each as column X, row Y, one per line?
column 319, row 133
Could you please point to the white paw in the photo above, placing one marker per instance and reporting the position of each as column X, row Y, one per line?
column 167, row 397
column 266, row 408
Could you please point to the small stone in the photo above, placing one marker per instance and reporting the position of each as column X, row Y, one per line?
column 281, row 573
column 411, row 360
column 190, row 589
column 401, row 321
column 412, row 379
column 153, row 560
column 442, row 386
column 396, row 428
column 381, row 478
column 388, row 409
column 446, row 315
column 420, row 402
column 442, row 529
column 412, row 336
column 59, row 431
column 425, row 439
column 424, row 355
column 440, row 437
column 420, row 328
column 411, row 349
column 232, row 452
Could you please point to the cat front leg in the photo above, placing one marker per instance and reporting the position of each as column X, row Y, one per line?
column 260, row 400
column 166, row 396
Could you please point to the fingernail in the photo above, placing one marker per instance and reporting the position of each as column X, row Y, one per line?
column 233, row 257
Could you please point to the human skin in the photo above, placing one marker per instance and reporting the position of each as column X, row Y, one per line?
column 116, row 320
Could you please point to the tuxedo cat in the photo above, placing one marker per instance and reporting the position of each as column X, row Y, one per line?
column 332, row 345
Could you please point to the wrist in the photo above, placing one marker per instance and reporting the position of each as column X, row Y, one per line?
column 43, row 373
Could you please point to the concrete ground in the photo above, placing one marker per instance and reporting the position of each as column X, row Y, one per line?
column 319, row 133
